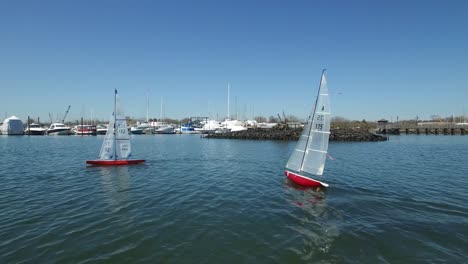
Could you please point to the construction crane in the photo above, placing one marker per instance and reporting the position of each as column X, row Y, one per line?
column 66, row 113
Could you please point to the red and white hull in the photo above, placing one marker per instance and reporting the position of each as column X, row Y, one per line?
column 113, row 162
column 303, row 180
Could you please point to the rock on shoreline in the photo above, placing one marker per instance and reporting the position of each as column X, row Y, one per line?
column 281, row 132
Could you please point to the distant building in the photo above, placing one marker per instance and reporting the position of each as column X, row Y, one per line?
column 382, row 123
column 12, row 126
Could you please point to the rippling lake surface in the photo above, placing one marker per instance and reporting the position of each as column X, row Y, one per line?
column 227, row 201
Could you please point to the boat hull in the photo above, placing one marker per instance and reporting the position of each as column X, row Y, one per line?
column 113, row 162
column 63, row 132
column 35, row 132
column 85, row 133
column 303, row 180
column 137, row 132
column 165, row 130
column 85, row 130
column 189, row 130
column 101, row 131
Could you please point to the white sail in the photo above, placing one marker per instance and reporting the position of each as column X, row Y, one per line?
column 116, row 143
column 107, row 149
column 310, row 152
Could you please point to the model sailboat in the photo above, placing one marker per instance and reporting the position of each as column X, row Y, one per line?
column 307, row 160
column 116, row 148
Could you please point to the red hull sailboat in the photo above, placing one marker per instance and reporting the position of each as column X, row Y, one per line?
column 308, row 157
column 303, row 180
column 113, row 162
column 116, row 148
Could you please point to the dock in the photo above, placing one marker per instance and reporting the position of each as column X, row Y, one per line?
column 422, row 128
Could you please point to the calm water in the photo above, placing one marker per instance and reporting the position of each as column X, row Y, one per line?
column 227, row 201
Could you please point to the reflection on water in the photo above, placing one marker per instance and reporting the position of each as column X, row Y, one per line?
column 317, row 224
column 115, row 181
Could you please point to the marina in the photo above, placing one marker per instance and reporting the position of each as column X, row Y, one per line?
column 233, row 132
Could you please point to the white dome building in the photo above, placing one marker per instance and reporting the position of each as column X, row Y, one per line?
column 12, row 126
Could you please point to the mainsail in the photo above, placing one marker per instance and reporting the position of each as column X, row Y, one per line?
column 116, row 145
column 107, row 149
column 310, row 152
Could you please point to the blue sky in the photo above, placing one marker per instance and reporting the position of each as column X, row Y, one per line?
column 384, row 58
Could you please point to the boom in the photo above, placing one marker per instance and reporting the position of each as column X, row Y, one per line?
column 66, row 113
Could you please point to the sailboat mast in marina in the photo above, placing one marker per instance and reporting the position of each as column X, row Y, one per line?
column 307, row 161
column 116, row 148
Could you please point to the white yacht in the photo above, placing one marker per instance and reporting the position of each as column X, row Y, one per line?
column 210, row 126
column 101, row 129
column 58, row 129
column 35, row 129
column 167, row 129
column 140, row 128
column 233, row 125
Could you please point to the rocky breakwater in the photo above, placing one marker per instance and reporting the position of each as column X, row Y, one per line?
column 354, row 134
column 283, row 132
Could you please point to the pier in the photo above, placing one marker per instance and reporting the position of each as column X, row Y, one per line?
column 422, row 128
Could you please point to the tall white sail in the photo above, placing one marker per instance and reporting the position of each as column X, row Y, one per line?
column 107, row 149
column 310, row 152
column 116, row 143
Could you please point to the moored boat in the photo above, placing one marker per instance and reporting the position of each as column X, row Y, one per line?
column 139, row 128
column 101, row 129
column 188, row 128
column 35, row 130
column 210, row 126
column 167, row 129
column 233, row 125
column 59, row 129
column 85, row 130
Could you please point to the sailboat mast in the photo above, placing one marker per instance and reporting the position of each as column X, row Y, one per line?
column 160, row 113
column 147, row 107
column 229, row 88
column 464, row 121
column 115, row 118
column 313, row 116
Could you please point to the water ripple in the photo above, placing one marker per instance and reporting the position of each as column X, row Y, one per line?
column 210, row 201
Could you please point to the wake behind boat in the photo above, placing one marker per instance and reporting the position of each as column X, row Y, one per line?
column 116, row 148
column 308, row 157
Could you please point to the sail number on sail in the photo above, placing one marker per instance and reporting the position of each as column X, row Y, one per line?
column 319, row 126
column 107, row 148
